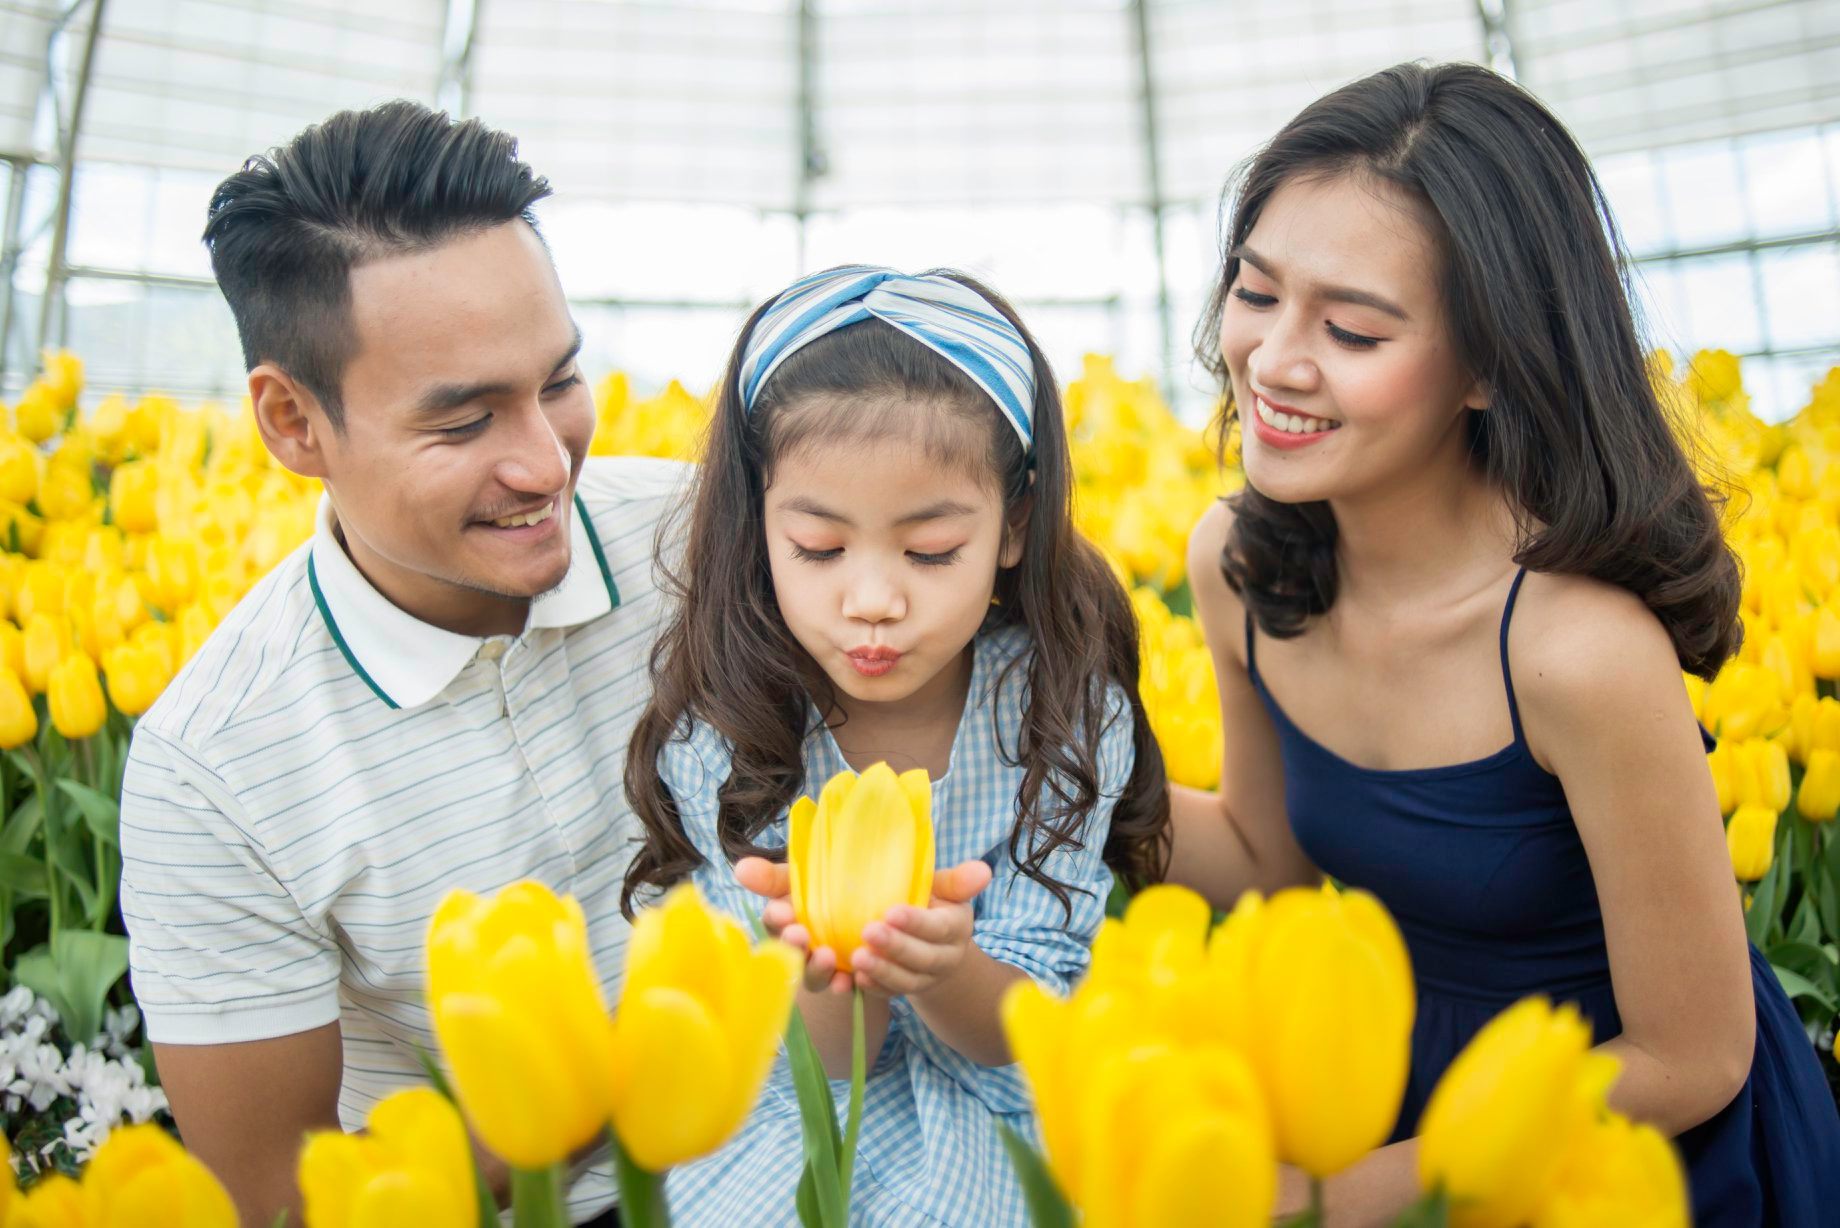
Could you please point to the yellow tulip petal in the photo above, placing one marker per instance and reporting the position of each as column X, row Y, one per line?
column 798, row 856
column 677, row 1079
column 867, row 858
column 54, row 1201
column 410, row 1195
column 1210, row 1168
column 421, row 1123
column 332, row 1168
column 521, row 1094
column 919, row 791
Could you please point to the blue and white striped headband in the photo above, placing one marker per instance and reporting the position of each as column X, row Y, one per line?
column 947, row 317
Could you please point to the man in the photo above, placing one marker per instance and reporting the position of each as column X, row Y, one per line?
column 435, row 692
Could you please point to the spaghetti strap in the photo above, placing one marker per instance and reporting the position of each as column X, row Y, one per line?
column 1507, row 675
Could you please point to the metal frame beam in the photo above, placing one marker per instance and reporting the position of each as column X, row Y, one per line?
column 1153, row 177
column 453, row 91
column 70, row 128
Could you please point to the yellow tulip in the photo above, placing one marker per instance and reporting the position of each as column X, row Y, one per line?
column 1760, row 773
column 47, row 642
column 172, row 567
column 13, row 656
column 1141, row 1131
column 137, row 675
column 41, row 590
column 9, row 1187
column 37, row 415
column 18, row 469
column 863, row 847
column 1508, row 1110
column 1819, row 796
column 1326, row 1003
column 54, row 1201
column 700, row 1019
column 63, row 377
column 131, row 496
column 163, row 638
column 75, row 695
column 195, row 627
column 1618, row 1175
column 412, row 1165
column 518, row 1012
column 1176, row 1136
column 1750, row 837
column 20, row 528
column 1795, row 474
column 18, row 718
column 1745, row 700
column 140, row 1177
column 66, row 493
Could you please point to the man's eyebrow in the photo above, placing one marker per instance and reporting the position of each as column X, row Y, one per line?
column 443, row 397
column 1335, row 294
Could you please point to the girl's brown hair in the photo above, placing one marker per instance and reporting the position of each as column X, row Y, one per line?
column 726, row 658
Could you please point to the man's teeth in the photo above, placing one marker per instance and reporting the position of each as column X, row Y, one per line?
column 1295, row 424
column 518, row 522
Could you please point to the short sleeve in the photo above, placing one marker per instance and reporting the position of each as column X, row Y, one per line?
column 218, row 950
column 1020, row 922
column 693, row 767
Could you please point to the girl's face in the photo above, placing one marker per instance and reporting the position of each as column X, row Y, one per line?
column 1336, row 342
column 884, row 564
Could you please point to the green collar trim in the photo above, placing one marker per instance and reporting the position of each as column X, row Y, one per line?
column 319, row 599
column 600, row 556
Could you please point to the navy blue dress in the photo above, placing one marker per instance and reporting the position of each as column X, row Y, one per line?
column 1481, row 865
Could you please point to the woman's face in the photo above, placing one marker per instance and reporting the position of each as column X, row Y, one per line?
column 1336, row 341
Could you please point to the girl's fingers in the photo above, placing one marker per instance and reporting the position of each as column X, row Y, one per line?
column 763, row 877
column 778, row 916
column 959, row 883
column 945, row 925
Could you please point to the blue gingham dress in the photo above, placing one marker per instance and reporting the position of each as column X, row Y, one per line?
column 929, row 1152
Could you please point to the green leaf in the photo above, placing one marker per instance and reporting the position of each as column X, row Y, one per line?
column 70, row 860
column 818, row 1119
column 805, row 1202
column 536, row 1198
column 1761, row 914
column 1047, row 1209
column 75, row 972
column 1806, row 927
column 1431, row 1211
column 1814, row 962
column 26, row 875
column 1798, row 986
column 100, row 811
column 23, row 825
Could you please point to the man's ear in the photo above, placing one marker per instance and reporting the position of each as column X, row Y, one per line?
column 291, row 420
column 1016, row 528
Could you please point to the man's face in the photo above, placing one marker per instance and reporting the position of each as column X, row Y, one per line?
column 466, row 419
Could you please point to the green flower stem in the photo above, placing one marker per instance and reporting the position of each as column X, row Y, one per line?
column 1316, row 1203
column 642, row 1201
column 853, row 1124
column 536, row 1198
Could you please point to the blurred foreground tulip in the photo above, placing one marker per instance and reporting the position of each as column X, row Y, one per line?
column 412, row 1165
column 1618, row 1175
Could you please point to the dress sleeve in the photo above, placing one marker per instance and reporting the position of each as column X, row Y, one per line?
column 694, row 766
column 1019, row 921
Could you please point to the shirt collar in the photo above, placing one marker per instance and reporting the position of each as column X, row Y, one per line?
column 407, row 662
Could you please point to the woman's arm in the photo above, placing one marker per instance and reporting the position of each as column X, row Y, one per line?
column 1605, row 710
column 1238, row 839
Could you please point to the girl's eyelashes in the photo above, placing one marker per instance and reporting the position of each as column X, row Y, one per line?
column 1341, row 336
column 944, row 558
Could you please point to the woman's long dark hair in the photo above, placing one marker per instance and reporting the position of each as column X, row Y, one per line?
column 726, row 657
column 1539, row 311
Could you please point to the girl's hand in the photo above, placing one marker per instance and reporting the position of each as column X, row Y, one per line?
column 911, row 950
column 772, row 880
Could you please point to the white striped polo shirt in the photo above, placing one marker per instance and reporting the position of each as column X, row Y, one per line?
column 327, row 767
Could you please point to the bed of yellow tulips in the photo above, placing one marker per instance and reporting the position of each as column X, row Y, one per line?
column 128, row 528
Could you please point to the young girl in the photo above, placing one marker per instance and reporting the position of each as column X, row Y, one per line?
column 1449, row 614
column 880, row 566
